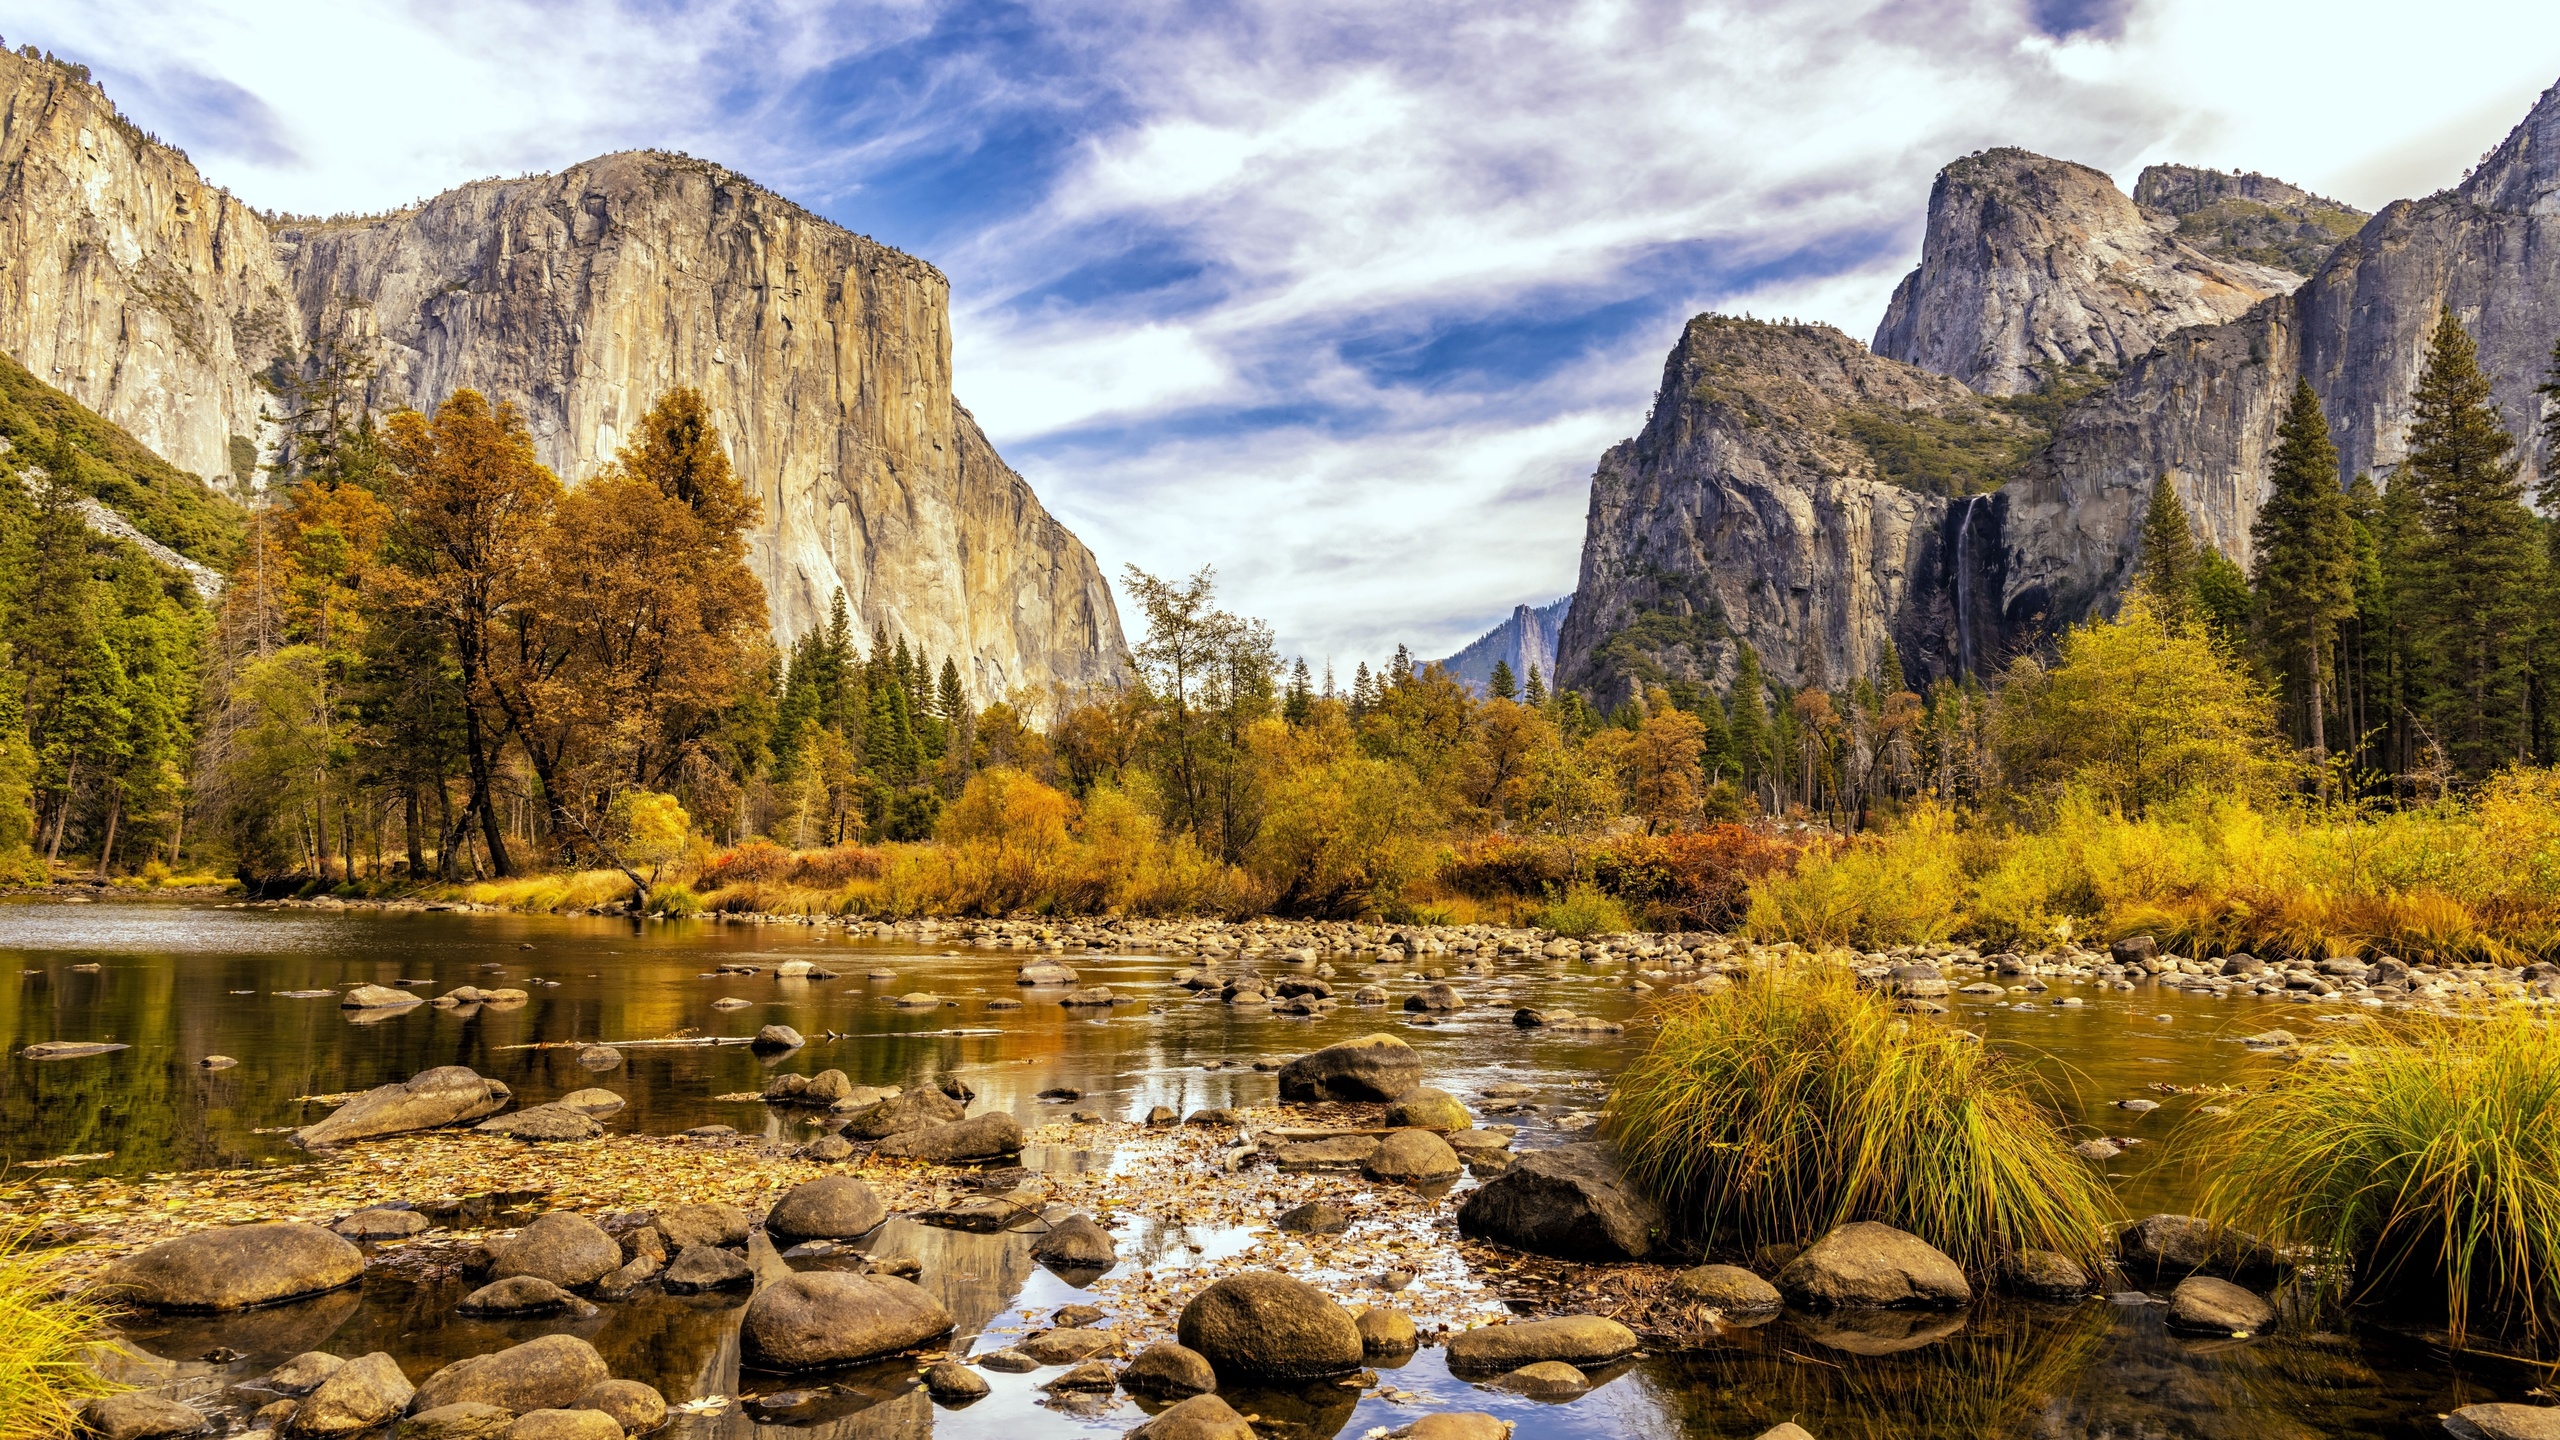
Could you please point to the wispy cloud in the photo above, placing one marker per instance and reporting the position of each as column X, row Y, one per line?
column 1342, row 296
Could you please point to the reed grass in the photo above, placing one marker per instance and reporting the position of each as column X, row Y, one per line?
column 44, row 1342
column 2426, row 1156
column 1793, row 1101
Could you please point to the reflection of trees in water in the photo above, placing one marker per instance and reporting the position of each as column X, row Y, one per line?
column 974, row 1276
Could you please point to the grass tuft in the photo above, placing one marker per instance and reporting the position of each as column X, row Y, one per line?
column 1793, row 1101
column 1584, row 910
column 44, row 1342
column 2427, row 1156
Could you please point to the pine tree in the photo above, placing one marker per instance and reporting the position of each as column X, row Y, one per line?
column 1537, row 692
column 1889, row 672
column 1750, row 725
column 1364, row 691
column 1715, row 748
column 2476, row 572
column 1502, row 686
column 948, row 700
column 1298, row 704
column 2305, row 561
column 2165, row 569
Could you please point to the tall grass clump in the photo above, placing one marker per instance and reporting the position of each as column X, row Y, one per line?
column 44, row 1339
column 1793, row 1101
column 2428, row 1158
column 1584, row 910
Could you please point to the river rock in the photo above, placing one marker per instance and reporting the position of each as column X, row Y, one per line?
column 1267, row 1326
column 381, row 1223
column 1076, row 1243
column 907, row 1110
column 1328, row 1151
column 1573, row 1339
column 563, row 1247
column 2202, row 1303
column 519, row 1295
column 2047, row 1274
column 1007, row 1361
column 1785, row 1430
column 359, row 1395
column 636, row 1407
column 235, row 1267
column 302, row 1374
column 1373, row 1067
column 1067, row 1345
column 953, row 1383
column 1435, row 999
column 1098, row 997
column 705, row 1267
column 1570, row 1202
column 622, row 1284
column 1202, row 1417
column 777, row 1037
column 833, row 1207
column 1385, row 1330
column 72, row 1050
column 592, row 1101
column 464, row 1420
column 1044, row 972
column 1429, row 1109
column 1412, row 1157
column 1544, row 1380
column 138, row 1416
column 1314, row 1218
column 1726, row 1287
column 1864, row 1265
column 446, row 1095
column 819, row 1318
column 1454, row 1425
column 704, row 1223
column 377, row 997
column 543, row 1122
column 1169, row 1368
column 828, row 1150
column 2185, row 1244
column 564, row 1425
column 548, row 1373
column 2505, row 1422
column 827, row 1087
column 599, row 1057
column 986, row 1137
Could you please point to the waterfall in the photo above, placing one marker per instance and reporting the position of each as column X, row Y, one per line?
column 1964, row 585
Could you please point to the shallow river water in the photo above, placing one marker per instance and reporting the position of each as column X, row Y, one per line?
column 178, row 981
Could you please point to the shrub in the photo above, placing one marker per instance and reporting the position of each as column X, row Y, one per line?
column 1008, row 841
column 1584, row 910
column 1341, row 837
column 1503, row 865
column 1699, row 879
column 1903, row 888
column 2428, row 1156
column 1793, row 1101
column 757, row 860
column 44, row 1337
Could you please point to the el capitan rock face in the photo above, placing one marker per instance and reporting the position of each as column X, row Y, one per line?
column 2033, row 264
column 154, row 298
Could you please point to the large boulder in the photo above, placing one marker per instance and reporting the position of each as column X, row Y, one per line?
column 236, row 1267
column 1076, row 1243
column 1864, row 1265
column 704, row 1223
column 2167, row 1245
column 358, row 1395
column 137, row 1416
column 1169, row 1368
column 464, row 1420
column 833, row 1207
column 545, row 1374
column 907, row 1110
column 1373, row 1067
column 1266, row 1326
column 828, row 1317
column 1412, row 1157
column 636, row 1407
column 985, row 1137
column 2505, row 1422
column 1429, row 1109
column 1570, row 1202
column 563, row 1247
column 2218, row 1307
column 446, row 1095
column 1573, row 1339
column 1202, row 1417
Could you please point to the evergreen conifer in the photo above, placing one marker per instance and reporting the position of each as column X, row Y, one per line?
column 1537, row 692
column 2305, row 561
column 1502, row 686
column 2165, row 569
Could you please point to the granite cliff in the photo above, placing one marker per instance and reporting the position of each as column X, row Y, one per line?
column 2032, row 265
column 1527, row 638
column 159, row 300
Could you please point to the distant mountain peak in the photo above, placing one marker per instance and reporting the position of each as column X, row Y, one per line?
column 1527, row 638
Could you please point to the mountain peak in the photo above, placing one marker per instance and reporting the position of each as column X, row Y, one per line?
column 2522, row 176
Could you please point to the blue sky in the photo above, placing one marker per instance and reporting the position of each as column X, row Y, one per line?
column 1344, row 299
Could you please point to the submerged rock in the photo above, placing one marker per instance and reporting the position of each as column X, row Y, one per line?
column 235, row 1267
column 544, row 1122
column 547, row 1373
column 1544, row 1380
column 381, row 1223
column 446, row 1095
column 519, row 1295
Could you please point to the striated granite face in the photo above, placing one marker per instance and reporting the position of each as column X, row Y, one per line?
column 2236, row 215
column 581, row 297
column 1747, row 510
column 1527, row 638
column 2033, row 264
column 125, row 280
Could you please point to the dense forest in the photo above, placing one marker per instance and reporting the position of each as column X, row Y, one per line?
column 432, row 662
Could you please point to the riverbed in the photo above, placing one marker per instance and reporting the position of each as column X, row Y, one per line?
column 180, row 981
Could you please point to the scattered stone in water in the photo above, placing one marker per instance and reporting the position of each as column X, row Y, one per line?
column 1262, row 1325
column 1374, row 1067
column 730, row 1002
column 140, row 1416
column 520, row 1295
column 445, row 1095
column 563, row 1247
column 1066, row 1347
column 1573, row 1339
column 2047, row 1274
column 2505, row 1422
column 1090, row 1376
column 1202, row 1417
column 564, row 1425
column 1569, row 1202
column 1008, row 1361
column 217, row 1062
column 543, row 1122
column 72, row 1050
column 464, row 1420
column 552, row 1371
column 825, row 1318
column 833, row 1207
column 987, row 1137
column 302, row 1374
column 1726, row 1287
column 2138, row 1106
column 1865, row 1265
column 636, row 1407
column 376, row 997
column 1061, row 1092
column 1314, row 1218
column 2206, row 1305
column 1545, row 1380
column 1385, row 1330
column 953, row 1383
column 593, row 1101
column 777, row 1037
column 599, row 1057
column 1076, row 1243
column 706, row 1267
column 381, row 1223
column 236, row 1267
column 1167, row 1368
column 1429, row 1109
column 2098, row 1149
column 1412, row 1157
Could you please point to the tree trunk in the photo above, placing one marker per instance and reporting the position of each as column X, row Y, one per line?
column 492, row 830
column 62, row 813
column 2319, row 720
column 409, row 817
column 115, row 811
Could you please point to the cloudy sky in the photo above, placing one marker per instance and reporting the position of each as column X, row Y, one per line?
column 1344, row 299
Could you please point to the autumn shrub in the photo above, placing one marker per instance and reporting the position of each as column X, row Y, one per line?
column 1341, row 837
column 1584, row 910
column 1698, row 879
column 1903, row 887
column 835, row 867
column 1793, row 1101
column 2425, row 1161
column 1503, row 866
column 757, row 861
column 1126, row 865
column 1008, row 844
column 44, row 1341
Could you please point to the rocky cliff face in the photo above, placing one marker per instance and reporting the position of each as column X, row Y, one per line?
column 1753, row 507
column 2032, row 265
column 2203, row 408
column 2242, row 215
column 581, row 297
column 1527, row 638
